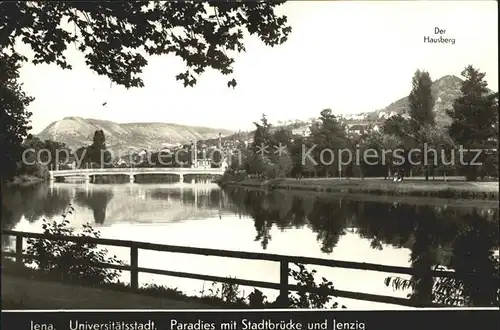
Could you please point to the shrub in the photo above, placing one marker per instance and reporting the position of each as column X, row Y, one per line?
column 450, row 291
column 302, row 298
column 320, row 298
column 36, row 170
column 74, row 261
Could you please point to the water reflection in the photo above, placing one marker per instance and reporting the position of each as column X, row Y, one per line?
column 97, row 201
column 420, row 236
column 457, row 238
column 32, row 203
column 389, row 223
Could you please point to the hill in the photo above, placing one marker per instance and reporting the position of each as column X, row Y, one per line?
column 445, row 91
column 77, row 132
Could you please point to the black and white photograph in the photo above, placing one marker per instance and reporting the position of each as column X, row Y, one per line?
column 249, row 155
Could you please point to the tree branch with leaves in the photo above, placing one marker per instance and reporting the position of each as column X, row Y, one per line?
column 116, row 37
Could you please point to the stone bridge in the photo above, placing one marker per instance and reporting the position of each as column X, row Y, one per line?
column 132, row 172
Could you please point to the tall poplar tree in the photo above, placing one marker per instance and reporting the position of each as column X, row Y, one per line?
column 97, row 150
column 422, row 115
column 421, row 100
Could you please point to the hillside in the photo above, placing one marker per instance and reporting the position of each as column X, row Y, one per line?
column 445, row 91
column 77, row 132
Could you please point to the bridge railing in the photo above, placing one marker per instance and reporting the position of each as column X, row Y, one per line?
column 139, row 170
column 284, row 261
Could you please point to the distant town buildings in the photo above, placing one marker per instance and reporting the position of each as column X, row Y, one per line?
column 199, row 154
column 387, row 115
column 203, row 163
column 360, row 128
column 203, row 156
column 353, row 116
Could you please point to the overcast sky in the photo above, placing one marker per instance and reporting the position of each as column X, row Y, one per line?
column 348, row 56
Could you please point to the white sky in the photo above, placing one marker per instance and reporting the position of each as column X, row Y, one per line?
column 348, row 56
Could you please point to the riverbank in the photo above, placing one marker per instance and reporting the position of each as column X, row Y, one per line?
column 23, row 294
column 25, row 288
column 380, row 187
column 25, row 180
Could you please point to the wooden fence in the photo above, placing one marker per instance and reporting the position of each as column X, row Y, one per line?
column 283, row 286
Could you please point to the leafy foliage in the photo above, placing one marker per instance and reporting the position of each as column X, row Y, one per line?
column 14, row 116
column 413, row 132
column 475, row 264
column 306, row 282
column 257, row 299
column 328, row 134
column 75, row 261
column 54, row 151
column 446, row 290
column 320, row 298
column 475, row 121
column 262, row 135
column 421, row 100
column 225, row 292
column 96, row 153
column 115, row 36
column 398, row 283
column 283, row 166
column 35, row 170
column 277, row 153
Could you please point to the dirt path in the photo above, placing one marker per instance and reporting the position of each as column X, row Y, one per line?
column 21, row 293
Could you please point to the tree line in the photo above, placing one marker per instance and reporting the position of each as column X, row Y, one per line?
column 113, row 38
column 474, row 125
column 474, row 114
column 216, row 37
column 51, row 154
column 276, row 152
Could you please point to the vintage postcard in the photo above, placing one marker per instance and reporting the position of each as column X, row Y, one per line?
column 249, row 155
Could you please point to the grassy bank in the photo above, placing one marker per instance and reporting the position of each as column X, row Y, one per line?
column 26, row 288
column 408, row 187
column 25, row 294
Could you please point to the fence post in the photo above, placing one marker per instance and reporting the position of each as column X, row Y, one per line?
column 19, row 250
column 283, row 297
column 134, row 265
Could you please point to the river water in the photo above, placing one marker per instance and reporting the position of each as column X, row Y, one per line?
column 281, row 222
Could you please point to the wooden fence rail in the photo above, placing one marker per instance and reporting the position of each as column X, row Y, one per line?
column 283, row 286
